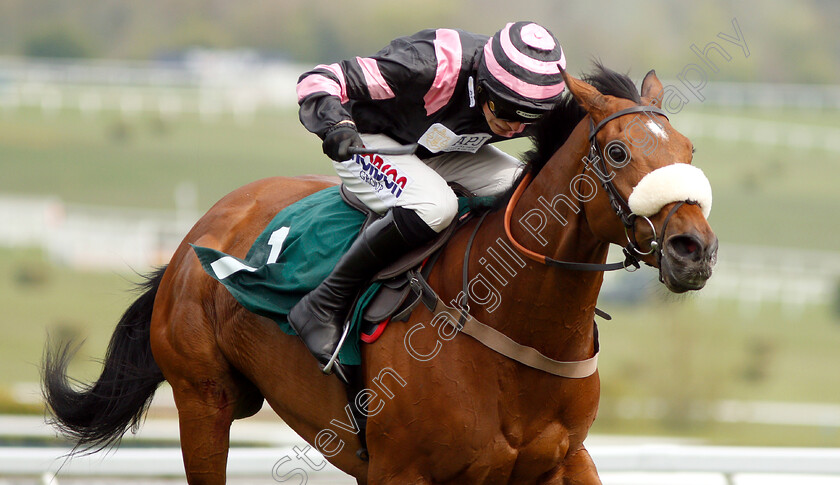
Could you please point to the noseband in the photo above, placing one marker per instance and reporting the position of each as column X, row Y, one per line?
column 619, row 204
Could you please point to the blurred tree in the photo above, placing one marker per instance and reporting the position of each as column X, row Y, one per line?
column 199, row 32
column 57, row 42
column 788, row 41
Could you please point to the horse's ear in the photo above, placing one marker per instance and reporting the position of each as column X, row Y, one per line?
column 586, row 95
column 652, row 89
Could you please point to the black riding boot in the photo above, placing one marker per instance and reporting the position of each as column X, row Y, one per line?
column 319, row 317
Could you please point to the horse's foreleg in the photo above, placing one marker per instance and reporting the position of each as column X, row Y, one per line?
column 578, row 469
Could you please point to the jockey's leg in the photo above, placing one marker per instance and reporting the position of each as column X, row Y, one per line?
column 487, row 172
column 422, row 206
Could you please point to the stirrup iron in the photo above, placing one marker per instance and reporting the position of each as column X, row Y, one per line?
column 328, row 368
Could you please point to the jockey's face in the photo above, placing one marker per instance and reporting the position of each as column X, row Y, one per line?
column 502, row 127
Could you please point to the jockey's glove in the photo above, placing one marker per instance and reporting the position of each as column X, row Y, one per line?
column 339, row 138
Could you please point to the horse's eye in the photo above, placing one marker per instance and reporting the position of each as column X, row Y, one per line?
column 617, row 154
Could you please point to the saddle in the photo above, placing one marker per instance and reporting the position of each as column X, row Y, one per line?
column 403, row 282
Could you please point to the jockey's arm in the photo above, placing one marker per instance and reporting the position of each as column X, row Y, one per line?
column 324, row 91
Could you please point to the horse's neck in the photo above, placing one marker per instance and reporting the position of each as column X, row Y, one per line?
column 546, row 307
column 555, row 197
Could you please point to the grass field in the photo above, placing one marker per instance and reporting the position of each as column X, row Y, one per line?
column 763, row 195
column 688, row 356
column 138, row 161
column 678, row 350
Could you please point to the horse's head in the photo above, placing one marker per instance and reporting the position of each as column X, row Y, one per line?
column 650, row 198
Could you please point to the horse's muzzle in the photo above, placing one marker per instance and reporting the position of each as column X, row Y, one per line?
column 687, row 261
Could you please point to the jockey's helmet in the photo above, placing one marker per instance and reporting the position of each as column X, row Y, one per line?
column 518, row 73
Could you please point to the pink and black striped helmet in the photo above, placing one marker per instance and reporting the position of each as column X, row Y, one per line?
column 519, row 74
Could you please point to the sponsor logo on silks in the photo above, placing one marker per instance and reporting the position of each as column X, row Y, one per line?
column 381, row 175
column 439, row 138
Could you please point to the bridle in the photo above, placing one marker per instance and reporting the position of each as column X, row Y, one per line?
column 529, row 356
column 632, row 250
column 617, row 201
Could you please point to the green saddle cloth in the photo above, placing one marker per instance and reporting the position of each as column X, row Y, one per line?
column 294, row 254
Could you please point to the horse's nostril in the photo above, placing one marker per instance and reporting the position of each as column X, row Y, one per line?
column 687, row 247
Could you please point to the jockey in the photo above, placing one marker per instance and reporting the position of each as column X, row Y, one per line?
column 453, row 93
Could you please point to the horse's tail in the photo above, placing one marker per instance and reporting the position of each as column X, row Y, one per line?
column 96, row 416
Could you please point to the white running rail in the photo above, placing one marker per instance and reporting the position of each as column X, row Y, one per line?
column 260, row 462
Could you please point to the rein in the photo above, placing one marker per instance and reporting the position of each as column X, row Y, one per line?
column 529, row 356
column 629, row 261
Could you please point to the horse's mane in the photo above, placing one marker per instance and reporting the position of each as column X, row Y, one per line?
column 553, row 130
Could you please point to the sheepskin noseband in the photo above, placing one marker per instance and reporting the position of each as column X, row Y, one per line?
column 671, row 183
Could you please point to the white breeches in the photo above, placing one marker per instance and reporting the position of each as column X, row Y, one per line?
column 385, row 181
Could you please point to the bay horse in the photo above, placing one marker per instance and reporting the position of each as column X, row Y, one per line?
column 442, row 408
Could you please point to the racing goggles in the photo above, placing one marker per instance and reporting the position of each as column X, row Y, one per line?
column 509, row 112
